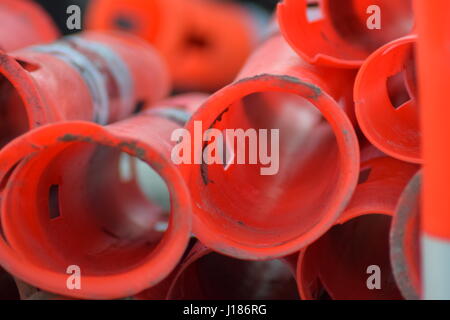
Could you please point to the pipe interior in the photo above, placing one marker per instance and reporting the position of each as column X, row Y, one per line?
column 262, row 209
column 344, row 254
column 217, row 277
column 13, row 114
column 351, row 25
column 83, row 210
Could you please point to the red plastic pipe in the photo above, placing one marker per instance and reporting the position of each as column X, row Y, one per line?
column 71, row 206
column 336, row 265
column 405, row 241
column 244, row 214
column 24, row 23
column 101, row 77
column 433, row 26
column 205, row 42
column 386, row 100
column 205, row 275
column 336, row 33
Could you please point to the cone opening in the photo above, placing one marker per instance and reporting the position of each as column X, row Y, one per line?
column 13, row 113
column 81, row 212
column 370, row 24
column 356, row 252
column 386, row 100
column 263, row 210
column 217, row 277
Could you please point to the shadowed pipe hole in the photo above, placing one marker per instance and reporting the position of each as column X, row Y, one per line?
column 198, row 41
column 13, row 114
column 139, row 106
column 364, row 175
column 397, row 90
column 86, row 213
column 217, row 277
column 124, row 23
column 53, row 202
column 30, row 67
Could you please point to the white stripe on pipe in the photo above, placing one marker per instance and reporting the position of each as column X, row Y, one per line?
column 88, row 70
column 117, row 67
column 435, row 268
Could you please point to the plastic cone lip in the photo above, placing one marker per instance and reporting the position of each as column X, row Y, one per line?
column 405, row 243
column 30, row 23
column 153, row 269
column 320, row 42
column 223, row 241
column 394, row 131
column 383, row 176
column 23, row 83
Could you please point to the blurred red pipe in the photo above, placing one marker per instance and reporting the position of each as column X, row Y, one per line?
column 205, row 42
column 93, row 77
column 23, row 23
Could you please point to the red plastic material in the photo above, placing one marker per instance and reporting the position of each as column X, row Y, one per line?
column 405, row 241
column 335, row 267
column 386, row 100
column 24, row 23
column 65, row 203
column 335, row 33
column 101, row 77
column 433, row 69
column 240, row 212
column 205, row 42
column 205, row 275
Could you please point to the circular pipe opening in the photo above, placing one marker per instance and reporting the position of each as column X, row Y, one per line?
column 350, row 262
column 79, row 211
column 386, row 100
column 217, row 277
column 74, row 211
column 275, row 207
column 310, row 169
column 350, row 19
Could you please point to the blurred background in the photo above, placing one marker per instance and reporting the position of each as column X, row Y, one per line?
column 57, row 9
